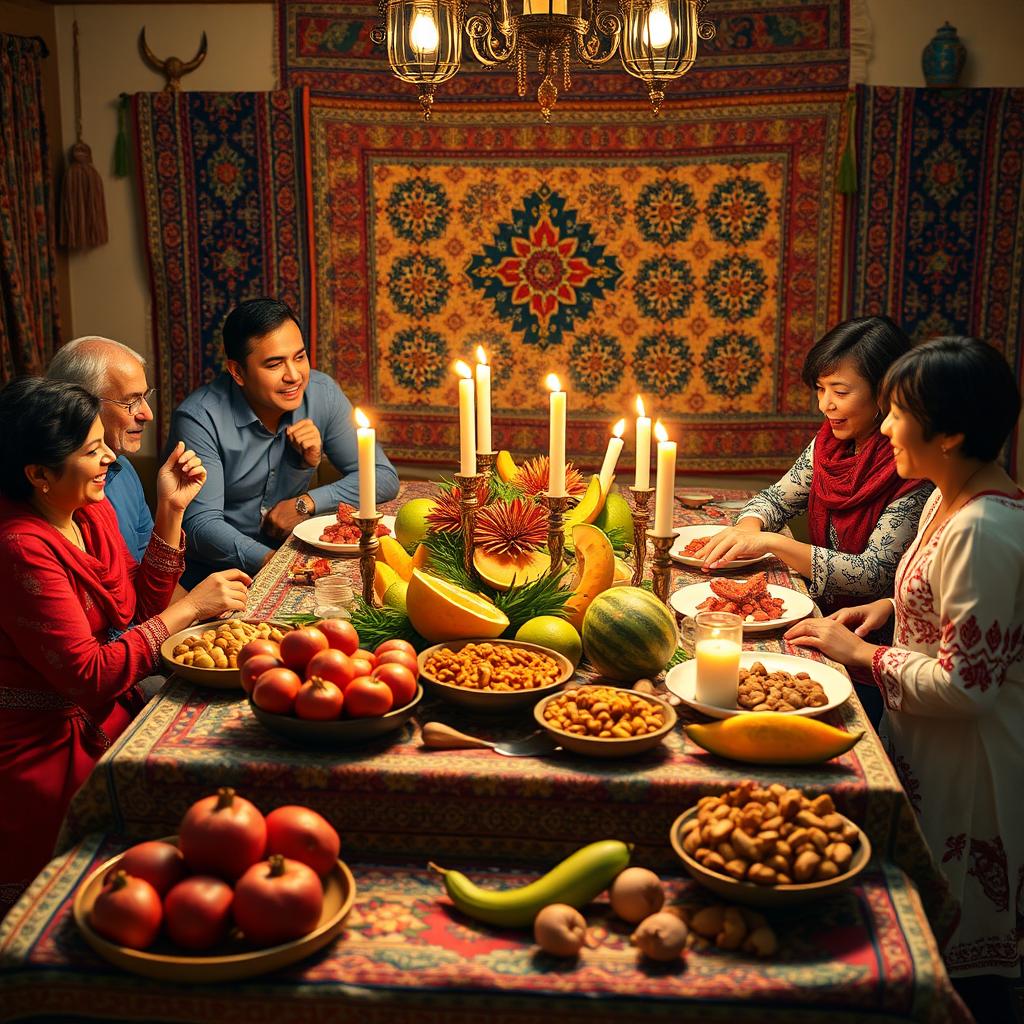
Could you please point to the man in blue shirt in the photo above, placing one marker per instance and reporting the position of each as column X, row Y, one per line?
column 117, row 374
column 261, row 429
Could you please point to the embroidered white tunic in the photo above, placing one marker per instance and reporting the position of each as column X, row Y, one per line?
column 953, row 683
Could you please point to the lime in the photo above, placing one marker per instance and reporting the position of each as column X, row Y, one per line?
column 394, row 596
column 411, row 522
column 551, row 631
column 616, row 516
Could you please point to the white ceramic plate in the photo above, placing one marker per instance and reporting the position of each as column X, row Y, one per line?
column 796, row 606
column 682, row 681
column 309, row 530
column 689, row 533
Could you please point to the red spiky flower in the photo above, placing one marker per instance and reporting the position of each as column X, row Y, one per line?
column 446, row 515
column 511, row 528
column 532, row 477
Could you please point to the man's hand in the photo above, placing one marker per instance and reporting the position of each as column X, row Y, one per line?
column 281, row 519
column 305, row 439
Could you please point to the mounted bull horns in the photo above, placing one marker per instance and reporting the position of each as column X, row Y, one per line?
column 173, row 68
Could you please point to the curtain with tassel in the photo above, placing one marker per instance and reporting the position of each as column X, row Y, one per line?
column 29, row 317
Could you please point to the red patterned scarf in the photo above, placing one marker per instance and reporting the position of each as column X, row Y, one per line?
column 850, row 489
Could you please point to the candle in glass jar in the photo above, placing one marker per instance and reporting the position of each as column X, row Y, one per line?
column 366, row 448
column 611, row 456
column 556, row 439
column 467, row 420
column 664, row 493
column 718, row 671
column 643, row 447
column 483, row 401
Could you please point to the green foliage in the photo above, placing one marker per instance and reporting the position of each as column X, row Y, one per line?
column 501, row 491
column 678, row 658
column 619, row 539
column 446, row 484
column 446, row 560
column 375, row 625
column 544, row 596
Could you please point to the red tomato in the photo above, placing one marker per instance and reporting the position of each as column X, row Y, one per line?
column 395, row 645
column 333, row 665
column 396, row 657
column 127, row 912
column 399, row 680
column 160, row 864
column 298, row 646
column 341, row 634
column 366, row 656
column 319, row 700
column 361, row 667
column 275, row 691
column 254, row 647
column 255, row 667
column 197, row 912
column 368, row 698
column 222, row 835
column 278, row 900
column 301, row 834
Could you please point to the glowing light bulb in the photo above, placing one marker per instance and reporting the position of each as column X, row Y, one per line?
column 658, row 30
column 423, row 35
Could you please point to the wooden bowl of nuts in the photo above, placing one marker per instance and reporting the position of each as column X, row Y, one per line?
column 605, row 721
column 493, row 675
column 769, row 847
column 208, row 653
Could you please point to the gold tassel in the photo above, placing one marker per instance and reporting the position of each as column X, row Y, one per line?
column 83, row 220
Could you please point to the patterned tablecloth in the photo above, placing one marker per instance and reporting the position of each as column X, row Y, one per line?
column 869, row 951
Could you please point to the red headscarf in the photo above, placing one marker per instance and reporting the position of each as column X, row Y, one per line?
column 850, row 489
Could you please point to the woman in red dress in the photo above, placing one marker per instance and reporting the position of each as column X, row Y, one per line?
column 80, row 621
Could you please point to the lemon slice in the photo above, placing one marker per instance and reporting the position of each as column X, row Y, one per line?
column 439, row 610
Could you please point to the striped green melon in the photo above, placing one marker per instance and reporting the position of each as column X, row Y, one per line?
column 628, row 634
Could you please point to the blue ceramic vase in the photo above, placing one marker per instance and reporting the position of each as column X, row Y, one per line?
column 943, row 59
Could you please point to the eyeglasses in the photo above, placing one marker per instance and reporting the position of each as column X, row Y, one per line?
column 135, row 404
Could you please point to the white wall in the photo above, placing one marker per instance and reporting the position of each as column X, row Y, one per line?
column 108, row 285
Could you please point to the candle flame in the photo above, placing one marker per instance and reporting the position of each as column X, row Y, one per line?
column 462, row 369
column 619, row 428
column 640, row 406
column 360, row 418
column 660, row 432
column 481, row 355
column 552, row 382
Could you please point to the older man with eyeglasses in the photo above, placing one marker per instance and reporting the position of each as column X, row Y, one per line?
column 117, row 375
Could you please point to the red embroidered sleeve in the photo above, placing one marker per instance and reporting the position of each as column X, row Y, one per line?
column 886, row 665
column 155, row 579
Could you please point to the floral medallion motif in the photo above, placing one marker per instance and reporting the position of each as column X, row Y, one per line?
column 732, row 364
column 737, row 210
column 418, row 210
column 944, row 173
column 596, row 363
column 604, row 203
column 662, row 364
column 418, row 284
column 666, row 211
column 544, row 270
column 419, row 358
column 227, row 174
column 664, row 288
column 735, row 287
column 484, row 203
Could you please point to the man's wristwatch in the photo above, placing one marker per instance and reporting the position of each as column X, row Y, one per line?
column 303, row 507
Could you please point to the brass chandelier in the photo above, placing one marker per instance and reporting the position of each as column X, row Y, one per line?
column 655, row 39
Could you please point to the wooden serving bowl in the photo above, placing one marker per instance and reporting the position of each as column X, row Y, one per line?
column 609, row 746
column 215, row 678
column 767, row 895
column 229, row 964
column 493, row 701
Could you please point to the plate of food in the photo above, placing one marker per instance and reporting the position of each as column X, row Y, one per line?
column 692, row 538
column 769, row 682
column 763, row 606
column 208, row 653
column 338, row 533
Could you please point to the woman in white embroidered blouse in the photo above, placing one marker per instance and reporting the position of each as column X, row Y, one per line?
column 953, row 680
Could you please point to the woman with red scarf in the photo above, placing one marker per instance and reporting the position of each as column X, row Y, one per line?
column 80, row 621
column 861, row 515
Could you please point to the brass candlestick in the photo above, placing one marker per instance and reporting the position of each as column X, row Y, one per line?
column 556, row 506
column 468, row 504
column 485, row 462
column 368, row 545
column 661, row 569
column 641, row 517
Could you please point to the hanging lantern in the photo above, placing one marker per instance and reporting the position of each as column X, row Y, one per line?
column 659, row 42
column 424, row 39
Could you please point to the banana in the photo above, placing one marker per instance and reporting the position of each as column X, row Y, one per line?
column 576, row 881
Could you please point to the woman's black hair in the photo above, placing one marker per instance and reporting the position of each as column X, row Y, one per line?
column 957, row 386
column 872, row 343
column 42, row 422
column 253, row 319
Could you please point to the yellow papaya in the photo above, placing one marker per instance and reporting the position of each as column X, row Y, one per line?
column 773, row 737
column 595, row 561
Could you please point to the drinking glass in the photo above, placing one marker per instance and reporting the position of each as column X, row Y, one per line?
column 333, row 597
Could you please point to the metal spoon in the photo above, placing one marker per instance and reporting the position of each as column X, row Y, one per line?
column 438, row 736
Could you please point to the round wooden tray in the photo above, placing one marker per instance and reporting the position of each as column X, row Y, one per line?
column 339, row 895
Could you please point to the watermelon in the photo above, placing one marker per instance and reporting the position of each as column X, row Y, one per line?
column 628, row 634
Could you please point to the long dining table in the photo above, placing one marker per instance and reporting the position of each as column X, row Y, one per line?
column 870, row 952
